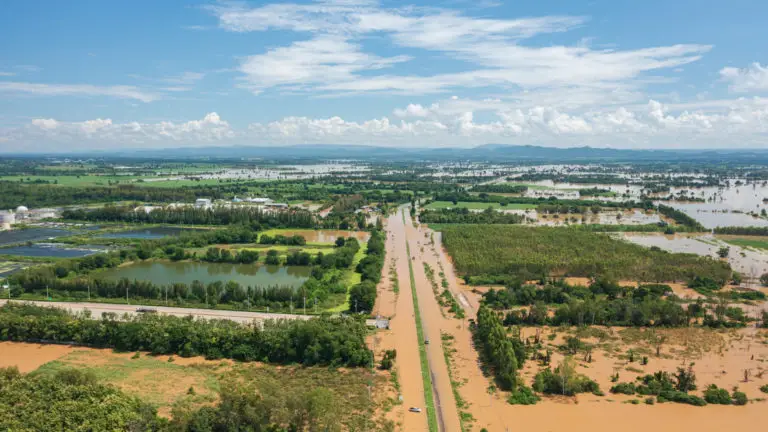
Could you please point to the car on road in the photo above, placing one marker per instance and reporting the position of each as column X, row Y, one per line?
column 414, row 409
column 146, row 310
column 426, row 341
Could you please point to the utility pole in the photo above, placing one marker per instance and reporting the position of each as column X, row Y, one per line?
column 89, row 290
column 47, row 295
column 126, row 295
column 305, row 305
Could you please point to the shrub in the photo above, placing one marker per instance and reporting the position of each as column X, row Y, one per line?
column 650, row 401
column 715, row 395
column 564, row 380
column 680, row 397
column 523, row 395
column 739, row 398
column 623, row 388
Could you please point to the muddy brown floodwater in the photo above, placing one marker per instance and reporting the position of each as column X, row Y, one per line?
column 719, row 357
column 28, row 357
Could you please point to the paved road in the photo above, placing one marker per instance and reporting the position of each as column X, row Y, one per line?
column 432, row 323
column 240, row 316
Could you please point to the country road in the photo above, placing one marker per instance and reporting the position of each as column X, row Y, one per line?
column 401, row 237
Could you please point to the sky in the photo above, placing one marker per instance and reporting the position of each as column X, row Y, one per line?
column 111, row 75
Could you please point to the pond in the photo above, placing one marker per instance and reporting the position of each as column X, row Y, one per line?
column 52, row 250
column 324, row 236
column 149, row 233
column 30, row 234
column 168, row 272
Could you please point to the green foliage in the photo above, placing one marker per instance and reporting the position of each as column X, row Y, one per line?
column 564, row 381
column 529, row 252
column 187, row 215
column 739, row 398
column 623, row 388
column 523, row 395
column 320, row 341
column 680, row 397
column 69, row 400
column 497, row 349
column 466, row 216
column 716, row 395
column 388, row 360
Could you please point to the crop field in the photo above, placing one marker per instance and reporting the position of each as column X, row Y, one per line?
column 497, row 250
column 477, row 205
column 746, row 242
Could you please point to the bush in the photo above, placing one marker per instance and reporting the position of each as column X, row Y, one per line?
column 623, row 388
column 681, row 397
column 739, row 398
column 715, row 395
column 523, row 395
column 650, row 401
column 564, row 381
column 764, row 388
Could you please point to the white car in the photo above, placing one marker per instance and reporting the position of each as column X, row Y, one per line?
column 414, row 409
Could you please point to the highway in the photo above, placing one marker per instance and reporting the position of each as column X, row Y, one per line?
column 239, row 316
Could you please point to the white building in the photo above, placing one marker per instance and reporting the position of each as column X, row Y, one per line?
column 203, row 203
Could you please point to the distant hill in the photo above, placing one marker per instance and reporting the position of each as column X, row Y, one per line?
column 488, row 152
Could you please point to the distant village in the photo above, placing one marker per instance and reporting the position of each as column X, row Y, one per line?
column 22, row 214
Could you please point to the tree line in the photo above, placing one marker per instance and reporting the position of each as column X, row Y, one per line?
column 188, row 215
column 465, row 216
column 362, row 296
column 321, row 341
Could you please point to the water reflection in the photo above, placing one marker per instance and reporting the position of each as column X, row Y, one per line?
column 168, row 272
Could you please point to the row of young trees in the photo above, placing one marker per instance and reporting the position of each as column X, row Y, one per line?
column 497, row 253
column 320, row 341
column 362, row 296
column 465, row 216
column 503, row 354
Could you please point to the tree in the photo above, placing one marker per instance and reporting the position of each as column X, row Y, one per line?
column 764, row 279
column 723, row 252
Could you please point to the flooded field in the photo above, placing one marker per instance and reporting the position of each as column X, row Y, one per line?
column 51, row 250
column 324, row 236
column 30, row 235
column 632, row 217
column 28, row 357
column 168, row 272
column 747, row 261
column 149, row 233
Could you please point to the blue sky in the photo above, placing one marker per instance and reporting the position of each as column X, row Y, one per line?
column 95, row 74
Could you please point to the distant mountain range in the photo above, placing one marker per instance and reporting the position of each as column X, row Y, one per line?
column 488, row 152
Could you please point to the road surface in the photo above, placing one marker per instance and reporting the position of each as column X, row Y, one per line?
column 239, row 316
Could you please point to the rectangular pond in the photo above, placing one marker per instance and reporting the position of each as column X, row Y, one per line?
column 169, row 272
column 51, row 250
column 30, row 234
column 149, row 233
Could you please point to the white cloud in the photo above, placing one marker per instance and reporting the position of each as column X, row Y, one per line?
column 7, row 74
column 333, row 62
column 323, row 61
column 652, row 124
column 120, row 91
column 752, row 78
column 49, row 134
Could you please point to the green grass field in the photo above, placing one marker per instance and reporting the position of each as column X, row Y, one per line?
column 754, row 243
column 477, row 205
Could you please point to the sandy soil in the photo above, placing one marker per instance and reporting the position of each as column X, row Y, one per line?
column 28, row 357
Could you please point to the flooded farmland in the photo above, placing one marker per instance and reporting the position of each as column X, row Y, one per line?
column 749, row 262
